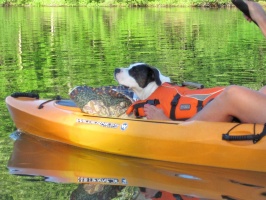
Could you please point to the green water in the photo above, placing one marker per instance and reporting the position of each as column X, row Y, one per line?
column 51, row 50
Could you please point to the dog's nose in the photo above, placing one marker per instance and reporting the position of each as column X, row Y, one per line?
column 117, row 70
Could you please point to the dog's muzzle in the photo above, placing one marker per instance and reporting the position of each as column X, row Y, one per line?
column 117, row 71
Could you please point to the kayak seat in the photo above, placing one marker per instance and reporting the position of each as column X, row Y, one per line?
column 66, row 102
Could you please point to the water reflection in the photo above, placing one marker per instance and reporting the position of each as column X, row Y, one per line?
column 99, row 174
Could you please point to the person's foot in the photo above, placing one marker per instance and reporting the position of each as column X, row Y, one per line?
column 154, row 113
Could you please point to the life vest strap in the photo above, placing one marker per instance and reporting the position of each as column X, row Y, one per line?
column 200, row 105
column 174, row 103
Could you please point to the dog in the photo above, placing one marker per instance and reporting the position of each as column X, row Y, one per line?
column 141, row 78
column 151, row 87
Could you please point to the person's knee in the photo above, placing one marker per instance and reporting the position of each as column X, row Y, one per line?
column 231, row 93
column 232, row 89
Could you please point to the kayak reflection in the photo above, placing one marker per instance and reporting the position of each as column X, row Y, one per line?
column 101, row 174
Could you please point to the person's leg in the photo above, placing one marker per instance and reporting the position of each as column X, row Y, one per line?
column 235, row 101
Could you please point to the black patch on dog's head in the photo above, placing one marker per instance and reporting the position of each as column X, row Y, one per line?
column 145, row 74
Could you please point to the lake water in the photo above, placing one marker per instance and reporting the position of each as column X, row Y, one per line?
column 51, row 50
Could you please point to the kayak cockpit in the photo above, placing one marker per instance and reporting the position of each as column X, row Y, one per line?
column 66, row 102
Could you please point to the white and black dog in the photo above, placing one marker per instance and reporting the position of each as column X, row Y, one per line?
column 141, row 78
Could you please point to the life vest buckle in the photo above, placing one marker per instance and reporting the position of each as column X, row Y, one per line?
column 153, row 102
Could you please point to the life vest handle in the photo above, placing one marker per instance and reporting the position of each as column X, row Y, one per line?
column 192, row 84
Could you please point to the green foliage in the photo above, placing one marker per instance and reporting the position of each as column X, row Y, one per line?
column 210, row 3
column 134, row 3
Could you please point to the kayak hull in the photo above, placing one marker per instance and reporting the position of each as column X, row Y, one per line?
column 194, row 142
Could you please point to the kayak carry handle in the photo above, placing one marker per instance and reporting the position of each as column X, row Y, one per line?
column 254, row 137
column 192, row 84
column 25, row 94
column 239, row 137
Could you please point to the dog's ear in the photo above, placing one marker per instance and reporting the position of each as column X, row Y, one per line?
column 156, row 76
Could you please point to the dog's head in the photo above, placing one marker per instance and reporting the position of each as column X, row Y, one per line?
column 141, row 78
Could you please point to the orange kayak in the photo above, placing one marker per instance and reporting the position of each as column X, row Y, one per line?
column 197, row 142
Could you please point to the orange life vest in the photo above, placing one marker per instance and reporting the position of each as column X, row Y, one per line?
column 177, row 102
